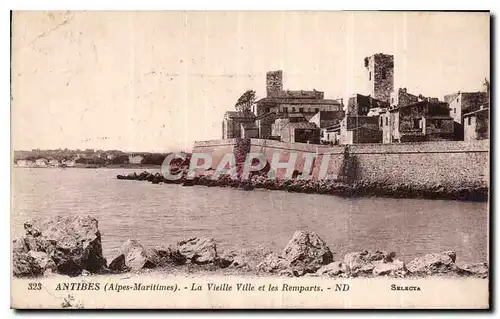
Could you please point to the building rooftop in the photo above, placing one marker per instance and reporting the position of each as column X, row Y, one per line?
column 302, row 125
column 236, row 114
column 277, row 100
column 482, row 110
column 396, row 108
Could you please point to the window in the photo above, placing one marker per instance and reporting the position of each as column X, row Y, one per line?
column 370, row 76
column 386, row 121
column 293, row 109
column 416, row 123
column 454, row 110
column 393, row 100
column 438, row 123
column 301, row 110
column 316, row 110
column 285, row 110
column 267, row 110
column 468, row 120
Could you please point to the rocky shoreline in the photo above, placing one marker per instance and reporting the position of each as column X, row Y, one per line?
column 477, row 193
column 72, row 246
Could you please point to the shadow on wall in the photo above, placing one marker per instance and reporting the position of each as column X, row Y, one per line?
column 349, row 168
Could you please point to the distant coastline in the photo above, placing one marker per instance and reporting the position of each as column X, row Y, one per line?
column 110, row 166
column 90, row 158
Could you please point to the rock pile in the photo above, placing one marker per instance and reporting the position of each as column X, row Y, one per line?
column 326, row 187
column 72, row 246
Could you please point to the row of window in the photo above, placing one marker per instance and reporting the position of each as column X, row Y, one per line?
column 417, row 123
column 301, row 110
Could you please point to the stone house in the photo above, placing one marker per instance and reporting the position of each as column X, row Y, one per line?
column 461, row 103
column 280, row 123
column 476, row 125
column 401, row 97
column 331, row 135
column 249, row 130
column 232, row 121
column 360, row 129
column 300, row 132
column 327, row 118
column 360, row 105
column 426, row 120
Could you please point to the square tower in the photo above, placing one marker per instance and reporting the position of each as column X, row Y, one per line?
column 274, row 82
column 380, row 75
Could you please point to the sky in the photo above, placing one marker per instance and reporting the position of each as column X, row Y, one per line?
column 158, row 81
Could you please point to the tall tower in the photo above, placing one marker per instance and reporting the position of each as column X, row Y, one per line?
column 274, row 82
column 380, row 75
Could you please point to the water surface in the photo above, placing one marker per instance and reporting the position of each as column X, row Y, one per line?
column 155, row 214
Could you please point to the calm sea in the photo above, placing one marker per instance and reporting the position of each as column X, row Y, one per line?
column 155, row 214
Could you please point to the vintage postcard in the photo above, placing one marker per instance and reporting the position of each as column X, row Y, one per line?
column 250, row 159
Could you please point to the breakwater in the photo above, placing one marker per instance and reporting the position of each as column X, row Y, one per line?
column 71, row 245
column 336, row 187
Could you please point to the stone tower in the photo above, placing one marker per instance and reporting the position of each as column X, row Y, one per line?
column 274, row 82
column 380, row 75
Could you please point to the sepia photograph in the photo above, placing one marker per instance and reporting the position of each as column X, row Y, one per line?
column 250, row 159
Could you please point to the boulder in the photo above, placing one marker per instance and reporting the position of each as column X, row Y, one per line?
column 272, row 263
column 396, row 268
column 23, row 265
column 231, row 258
column 364, row 263
column 44, row 261
column 169, row 255
column 72, row 242
column 480, row 270
column 226, row 258
column 133, row 256
column 305, row 253
column 333, row 269
column 20, row 245
column 198, row 250
column 435, row 263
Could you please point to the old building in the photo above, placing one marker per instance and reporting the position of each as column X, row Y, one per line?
column 361, row 123
column 327, row 118
column 300, row 132
column 401, row 97
column 476, row 125
column 380, row 74
column 427, row 120
column 464, row 102
column 231, row 124
column 281, row 103
column 360, row 105
column 331, row 135
column 280, row 123
column 249, row 130
column 360, row 129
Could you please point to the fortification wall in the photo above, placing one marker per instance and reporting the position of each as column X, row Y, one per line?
column 450, row 163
